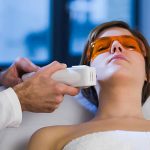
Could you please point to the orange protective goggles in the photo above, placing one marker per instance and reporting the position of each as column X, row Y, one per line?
column 102, row 45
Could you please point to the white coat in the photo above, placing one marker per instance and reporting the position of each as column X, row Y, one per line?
column 10, row 109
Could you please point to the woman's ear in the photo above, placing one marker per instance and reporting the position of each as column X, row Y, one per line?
column 149, row 76
column 146, row 77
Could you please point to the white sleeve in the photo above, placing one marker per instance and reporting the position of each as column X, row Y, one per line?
column 10, row 109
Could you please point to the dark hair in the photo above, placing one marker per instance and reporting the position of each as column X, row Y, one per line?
column 90, row 93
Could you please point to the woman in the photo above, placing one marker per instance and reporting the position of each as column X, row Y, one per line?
column 121, row 57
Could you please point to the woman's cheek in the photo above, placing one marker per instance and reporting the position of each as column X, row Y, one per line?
column 100, row 65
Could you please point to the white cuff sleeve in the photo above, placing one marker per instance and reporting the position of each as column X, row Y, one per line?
column 10, row 109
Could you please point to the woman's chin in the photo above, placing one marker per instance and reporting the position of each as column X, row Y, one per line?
column 116, row 75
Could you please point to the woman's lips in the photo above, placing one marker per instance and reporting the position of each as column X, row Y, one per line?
column 118, row 57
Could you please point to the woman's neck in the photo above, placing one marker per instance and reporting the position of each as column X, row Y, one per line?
column 119, row 102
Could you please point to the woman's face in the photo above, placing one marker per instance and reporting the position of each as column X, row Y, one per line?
column 119, row 63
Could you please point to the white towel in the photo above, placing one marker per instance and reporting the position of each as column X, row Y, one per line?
column 111, row 140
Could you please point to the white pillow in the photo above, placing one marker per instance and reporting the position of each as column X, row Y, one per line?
column 146, row 109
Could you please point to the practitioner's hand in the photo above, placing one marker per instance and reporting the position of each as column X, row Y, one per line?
column 12, row 76
column 40, row 93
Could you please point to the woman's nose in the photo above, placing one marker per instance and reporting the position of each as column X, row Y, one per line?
column 116, row 47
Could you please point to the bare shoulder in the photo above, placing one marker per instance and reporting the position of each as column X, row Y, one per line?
column 137, row 124
column 49, row 137
column 146, row 125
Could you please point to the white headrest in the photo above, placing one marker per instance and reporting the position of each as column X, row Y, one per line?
column 146, row 109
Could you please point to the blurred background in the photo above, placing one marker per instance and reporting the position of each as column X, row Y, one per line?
column 47, row 30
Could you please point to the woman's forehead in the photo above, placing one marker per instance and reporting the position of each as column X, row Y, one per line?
column 114, row 31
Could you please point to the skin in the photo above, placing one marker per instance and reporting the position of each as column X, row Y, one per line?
column 119, row 89
column 120, row 75
column 12, row 76
column 39, row 93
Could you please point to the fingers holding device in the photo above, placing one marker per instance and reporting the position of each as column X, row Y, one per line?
column 77, row 76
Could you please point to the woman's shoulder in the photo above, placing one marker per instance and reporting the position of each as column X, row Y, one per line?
column 146, row 125
column 50, row 137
